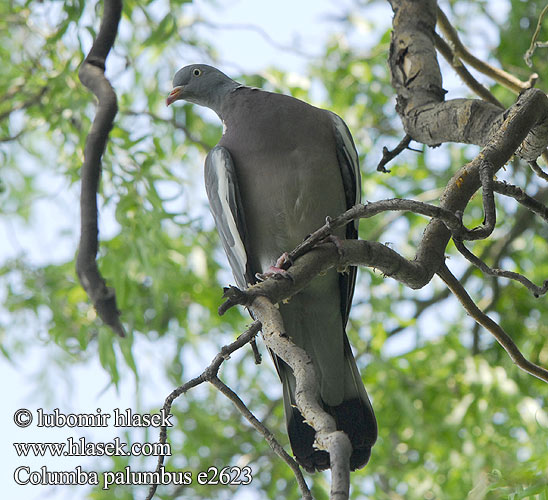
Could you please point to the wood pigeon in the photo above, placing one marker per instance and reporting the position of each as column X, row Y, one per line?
column 280, row 168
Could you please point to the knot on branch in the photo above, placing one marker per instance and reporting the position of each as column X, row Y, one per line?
column 234, row 296
column 98, row 62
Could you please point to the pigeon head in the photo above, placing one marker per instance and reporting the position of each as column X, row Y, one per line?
column 201, row 84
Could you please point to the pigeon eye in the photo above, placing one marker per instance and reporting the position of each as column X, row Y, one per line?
column 196, row 71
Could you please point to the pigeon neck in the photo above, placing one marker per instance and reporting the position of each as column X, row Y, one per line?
column 218, row 99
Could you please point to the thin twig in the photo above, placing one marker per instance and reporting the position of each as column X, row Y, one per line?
column 534, row 44
column 522, row 197
column 499, row 75
column 374, row 208
column 265, row 432
column 389, row 155
column 293, row 49
column 537, row 290
column 536, row 168
column 492, row 327
column 447, row 52
column 210, row 374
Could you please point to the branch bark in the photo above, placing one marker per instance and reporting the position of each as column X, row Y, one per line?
column 427, row 118
column 328, row 438
column 210, row 374
column 92, row 75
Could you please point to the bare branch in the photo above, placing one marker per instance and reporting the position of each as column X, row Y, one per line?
column 92, row 75
column 210, row 375
column 447, row 52
column 416, row 77
column 537, row 291
column 388, row 156
column 536, row 168
column 293, row 49
column 491, row 326
column 534, row 44
column 519, row 195
column 328, row 438
column 499, row 75
column 265, row 432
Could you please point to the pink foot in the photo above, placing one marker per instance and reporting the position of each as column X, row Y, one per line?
column 277, row 271
column 337, row 242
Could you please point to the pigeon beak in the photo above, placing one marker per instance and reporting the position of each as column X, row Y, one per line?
column 174, row 95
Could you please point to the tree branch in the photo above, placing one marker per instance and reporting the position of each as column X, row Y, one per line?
column 389, row 155
column 328, row 438
column 536, row 168
column 500, row 335
column 92, row 75
column 534, row 44
column 265, row 432
column 537, row 291
column 522, row 197
column 210, row 374
column 311, row 258
column 447, row 52
column 499, row 75
column 416, row 77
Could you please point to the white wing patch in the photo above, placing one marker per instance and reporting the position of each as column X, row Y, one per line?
column 226, row 193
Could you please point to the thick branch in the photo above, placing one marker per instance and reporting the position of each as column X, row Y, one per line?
column 92, row 75
column 417, row 80
column 521, row 121
column 328, row 438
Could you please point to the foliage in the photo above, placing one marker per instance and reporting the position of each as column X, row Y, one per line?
column 455, row 416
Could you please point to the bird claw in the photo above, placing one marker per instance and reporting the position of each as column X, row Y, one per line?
column 284, row 261
column 277, row 271
column 274, row 272
column 337, row 242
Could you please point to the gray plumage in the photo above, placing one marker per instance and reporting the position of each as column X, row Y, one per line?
column 279, row 169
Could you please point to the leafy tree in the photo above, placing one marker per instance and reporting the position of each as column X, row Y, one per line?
column 456, row 416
